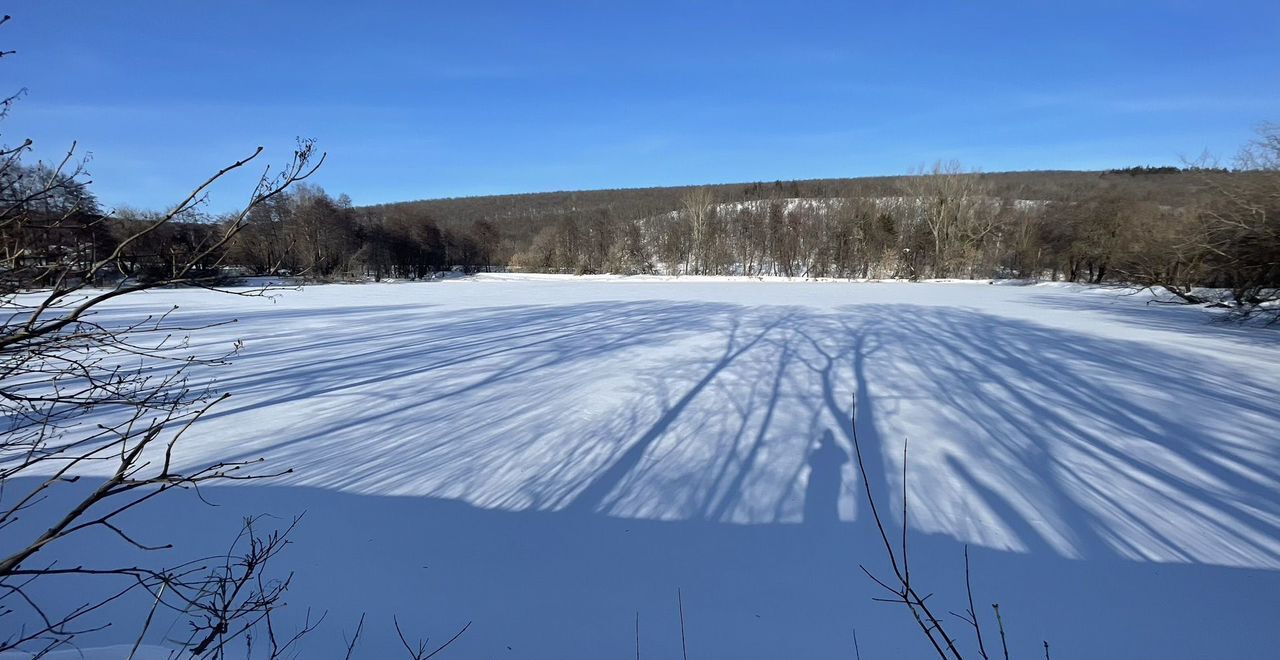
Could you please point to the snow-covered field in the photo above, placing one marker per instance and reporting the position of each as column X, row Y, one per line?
column 546, row 457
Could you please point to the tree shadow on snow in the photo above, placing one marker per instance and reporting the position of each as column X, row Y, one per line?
column 1140, row 312
column 562, row 467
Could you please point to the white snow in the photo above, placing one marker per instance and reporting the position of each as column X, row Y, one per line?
column 548, row 455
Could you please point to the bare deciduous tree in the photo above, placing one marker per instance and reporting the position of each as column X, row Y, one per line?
column 91, row 399
column 900, row 587
column 82, row 396
column 960, row 212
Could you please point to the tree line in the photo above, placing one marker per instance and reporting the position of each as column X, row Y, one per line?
column 301, row 231
column 1180, row 228
column 1202, row 227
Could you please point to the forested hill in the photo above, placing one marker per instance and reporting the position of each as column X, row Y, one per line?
column 1178, row 228
column 521, row 215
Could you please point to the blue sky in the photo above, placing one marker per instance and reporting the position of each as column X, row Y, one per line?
column 430, row 99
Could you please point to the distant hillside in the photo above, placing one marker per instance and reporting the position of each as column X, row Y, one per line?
column 520, row 216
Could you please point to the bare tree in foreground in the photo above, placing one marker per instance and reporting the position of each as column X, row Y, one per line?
column 94, row 405
column 900, row 586
column 85, row 397
column 89, row 399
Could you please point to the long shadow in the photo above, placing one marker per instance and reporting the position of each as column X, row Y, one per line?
column 750, row 591
column 1080, row 440
column 731, row 493
column 842, row 349
column 594, row 496
column 503, row 344
column 1140, row 312
column 577, row 462
column 1029, row 436
column 822, row 492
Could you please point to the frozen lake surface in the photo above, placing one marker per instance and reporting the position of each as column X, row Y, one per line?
column 546, row 457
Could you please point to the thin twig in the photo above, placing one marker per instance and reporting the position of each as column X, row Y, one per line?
column 973, row 614
column 351, row 645
column 147, row 624
column 1000, row 624
column 684, row 647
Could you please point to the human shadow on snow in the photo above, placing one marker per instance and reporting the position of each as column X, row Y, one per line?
column 568, row 584
column 1027, row 437
column 568, row 465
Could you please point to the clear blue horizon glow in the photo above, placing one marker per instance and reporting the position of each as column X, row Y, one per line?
column 420, row 100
